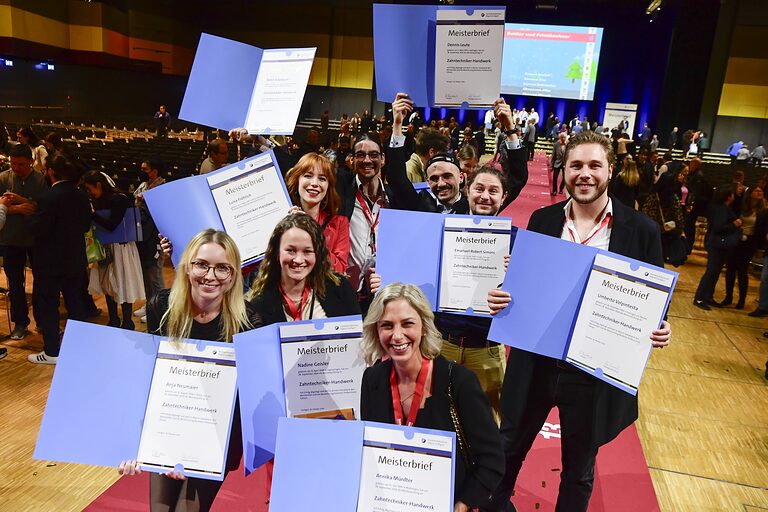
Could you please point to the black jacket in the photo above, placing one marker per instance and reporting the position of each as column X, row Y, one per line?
column 634, row 235
column 719, row 222
column 63, row 216
column 346, row 186
column 475, row 417
column 339, row 300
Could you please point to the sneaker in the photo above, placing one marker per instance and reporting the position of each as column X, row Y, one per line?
column 142, row 311
column 701, row 304
column 42, row 358
column 19, row 332
column 758, row 313
column 3, row 352
column 143, row 319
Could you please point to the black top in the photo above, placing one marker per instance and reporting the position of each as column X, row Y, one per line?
column 719, row 222
column 339, row 300
column 117, row 204
column 62, row 218
column 211, row 331
column 475, row 488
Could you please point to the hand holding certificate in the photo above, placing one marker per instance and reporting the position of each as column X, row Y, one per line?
column 175, row 414
column 246, row 199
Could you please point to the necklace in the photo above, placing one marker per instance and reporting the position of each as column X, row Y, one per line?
column 406, row 398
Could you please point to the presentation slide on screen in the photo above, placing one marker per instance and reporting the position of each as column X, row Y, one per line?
column 550, row 60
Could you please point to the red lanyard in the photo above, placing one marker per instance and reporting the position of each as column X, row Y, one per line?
column 369, row 217
column 421, row 381
column 294, row 311
column 603, row 224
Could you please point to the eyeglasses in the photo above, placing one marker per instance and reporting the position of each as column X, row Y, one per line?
column 221, row 271
column 373, row 155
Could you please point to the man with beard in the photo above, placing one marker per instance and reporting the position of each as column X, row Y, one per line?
column 58, row 258
column 363, row 195
column 592, row 412
column 443, row 170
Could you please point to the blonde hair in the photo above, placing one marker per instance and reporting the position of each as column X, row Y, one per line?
column 629, row 174
column 431, row 340
column 177, row 321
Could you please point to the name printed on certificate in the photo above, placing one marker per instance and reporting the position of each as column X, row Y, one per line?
column 472, row 261
column 620, row 308
column 190, row 408
column 250, row 202
column 402, row 475
column 323, row 369
column 468, row 57
column 279, row 90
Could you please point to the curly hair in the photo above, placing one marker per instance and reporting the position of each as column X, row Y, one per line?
column 270, row 271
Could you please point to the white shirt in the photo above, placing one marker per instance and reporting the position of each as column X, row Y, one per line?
column 599, row 237
column 361, row 240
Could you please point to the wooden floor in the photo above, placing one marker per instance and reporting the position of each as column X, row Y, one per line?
column 703, row 416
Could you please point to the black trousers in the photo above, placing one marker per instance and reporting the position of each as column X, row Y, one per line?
column 715, row 261
column 555, row 172
column 530, row 146
column 46, row 303
column 737, row 265
column 573, row 393
column 190, row 495
column 14, row 262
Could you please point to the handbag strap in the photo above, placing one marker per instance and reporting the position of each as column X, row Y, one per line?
column 661, row 210
column 461, row 438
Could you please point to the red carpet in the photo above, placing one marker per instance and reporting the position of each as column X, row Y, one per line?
column 535, row 194
column 622, row 480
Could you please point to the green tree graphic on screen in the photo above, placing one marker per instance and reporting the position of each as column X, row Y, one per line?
column 574, row 72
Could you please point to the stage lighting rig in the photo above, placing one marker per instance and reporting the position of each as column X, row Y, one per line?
column 653, row 7
column 546, row 5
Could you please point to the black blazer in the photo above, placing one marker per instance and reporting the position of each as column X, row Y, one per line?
column 475, row 488
column 346, row 186
column 339, row 300
column 719, row 222
column 633, row 234
column 63, row 216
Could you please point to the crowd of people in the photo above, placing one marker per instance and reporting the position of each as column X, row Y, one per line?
column 321, row 263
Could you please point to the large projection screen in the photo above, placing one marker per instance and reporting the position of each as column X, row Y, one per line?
column 553, row 61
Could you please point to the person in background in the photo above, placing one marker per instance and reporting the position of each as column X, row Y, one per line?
column 758, row 155
column 39, row 151
column 205, row 302
column 152, row 258
column 162, row 122
column 4, row 203
column 625, row 186
column 312, row 187
column 410, row 383
column 469, row 162
column 24, row 187
column 722, row 222
column 654, row 144
column 119, row 277
column 557, row 163
column 218, row 156
column 58, row 256
column 737, row 263
column 697, row 202
column 428, row 143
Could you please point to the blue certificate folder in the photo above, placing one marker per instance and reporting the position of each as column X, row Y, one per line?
column 404, row 50
column 221, row 83
column 547, row 278
column 182, row 208
column 98, row 397
column 331, row 452
column 129, row 229
column 262, row 388
column 409, row 247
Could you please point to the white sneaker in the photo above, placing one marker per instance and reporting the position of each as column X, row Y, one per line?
column 42, row 358
column 142, row 311
column 143, row 319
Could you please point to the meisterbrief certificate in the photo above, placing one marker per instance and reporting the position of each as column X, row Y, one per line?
column 323, row 369
column 620, row 308
column 250, row 202
column 402, row 475
column 468, row 54
column 279, row 90
column 189, row 412
column 472, row 261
